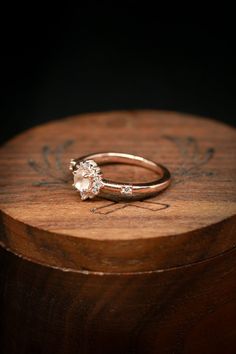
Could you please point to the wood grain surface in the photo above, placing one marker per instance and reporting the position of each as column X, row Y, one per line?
column 44, row 220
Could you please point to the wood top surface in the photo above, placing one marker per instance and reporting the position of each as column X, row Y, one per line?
column 44, row 220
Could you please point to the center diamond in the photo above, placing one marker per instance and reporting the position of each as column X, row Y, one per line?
column 87, row 179
column 81, row 182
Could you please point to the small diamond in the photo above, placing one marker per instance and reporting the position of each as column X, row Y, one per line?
column 97, row 184
column 89, row 164
column 127, row 190
column 95, row 171
column 98, row 179
column 95, row 190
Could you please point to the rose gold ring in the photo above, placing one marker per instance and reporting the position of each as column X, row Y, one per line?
column 89, row 181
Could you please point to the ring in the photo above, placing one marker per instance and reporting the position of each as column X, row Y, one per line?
column 89, row 181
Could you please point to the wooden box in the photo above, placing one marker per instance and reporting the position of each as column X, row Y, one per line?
column 101, row 277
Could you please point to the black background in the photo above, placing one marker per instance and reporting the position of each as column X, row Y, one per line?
column 88, row 60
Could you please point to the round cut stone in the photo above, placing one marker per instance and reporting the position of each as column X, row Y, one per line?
column 87, row 179
column 81, row 182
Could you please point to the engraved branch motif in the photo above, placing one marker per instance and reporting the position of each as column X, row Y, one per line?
column 193, row 159
column 54, row 171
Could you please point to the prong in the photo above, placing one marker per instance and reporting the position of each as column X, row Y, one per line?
column 83, row 196
column 72, row 164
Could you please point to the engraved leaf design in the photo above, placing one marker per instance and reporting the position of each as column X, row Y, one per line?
column 193, row 158
column 55, row 172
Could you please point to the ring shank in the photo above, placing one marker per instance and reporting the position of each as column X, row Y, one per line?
column 112, row 190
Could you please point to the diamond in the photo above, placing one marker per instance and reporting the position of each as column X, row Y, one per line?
column 95, row 190
column 81, row 182
column 87, row 179
column 126, row 189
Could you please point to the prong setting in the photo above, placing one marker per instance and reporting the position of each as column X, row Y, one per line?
column 127, row 190
column 72, row 164
column 87, row 178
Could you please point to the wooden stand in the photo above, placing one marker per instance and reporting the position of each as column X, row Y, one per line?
column 155, row 276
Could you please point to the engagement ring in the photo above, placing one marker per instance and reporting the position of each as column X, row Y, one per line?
column 89, row 180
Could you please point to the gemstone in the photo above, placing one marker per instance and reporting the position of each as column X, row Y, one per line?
column 81, row 182
column 127, row 189
column 87, row 179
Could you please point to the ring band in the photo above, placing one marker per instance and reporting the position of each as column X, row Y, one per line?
column 89, row 181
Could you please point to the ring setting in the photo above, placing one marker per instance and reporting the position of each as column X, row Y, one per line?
column 87, row 178
column 90, row 182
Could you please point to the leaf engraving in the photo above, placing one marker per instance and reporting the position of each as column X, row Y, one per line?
column 52, row 173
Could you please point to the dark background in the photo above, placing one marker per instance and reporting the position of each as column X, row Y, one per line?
column 88, row 60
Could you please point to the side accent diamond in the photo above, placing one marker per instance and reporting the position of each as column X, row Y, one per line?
column 127, row 190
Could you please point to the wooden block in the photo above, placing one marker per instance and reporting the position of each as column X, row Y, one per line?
column 130, row 277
